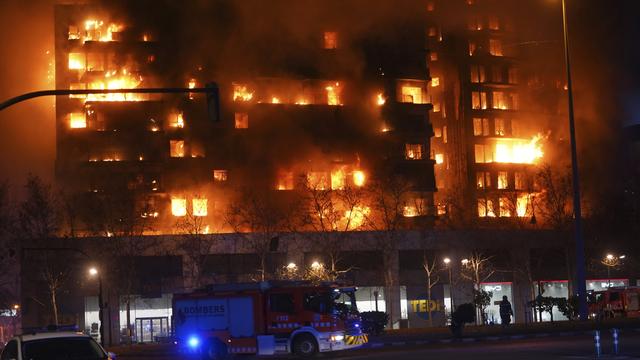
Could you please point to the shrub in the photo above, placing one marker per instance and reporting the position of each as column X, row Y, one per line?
column 374, row 322
column 464, row 313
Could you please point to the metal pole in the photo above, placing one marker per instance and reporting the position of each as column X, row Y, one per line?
column 581, row 285
column 101, row 310
column 451, row 290
column 608, row 276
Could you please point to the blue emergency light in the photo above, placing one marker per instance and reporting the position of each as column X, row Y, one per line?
column 193, row 342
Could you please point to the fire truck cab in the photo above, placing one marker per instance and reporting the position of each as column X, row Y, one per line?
column 615, row 302
column 267, row 318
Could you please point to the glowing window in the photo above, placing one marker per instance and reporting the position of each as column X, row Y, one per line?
column 359, row 178
column 485, row 208
column 480, row 127
column 197, row 150
column 499, row 100
column 241, row 120
column 433, row 31
column 505, row 207
column 220, row 175
column 522, row 205
column 74, row 32
column 241, row 93
column 439, row 158
column 433, row 56
column 333, row 94
column 411, row 94
column 473, row 47
column 77, row 120
column 494, row 23
column 338, row 179
column 178, row 206
column 444, row 134
column 176, row 120
column 77, row 61
column 285, row 180
column 435, row 81
column 176, row 148
column 503, row 180
column 520, row 181
column 499, row 125
column 330, row 40
column 318, row 180
column 199, row 207
column 483, row 153
column 413, row 151
column 478, row 100
column 477, row 74
column 437, row 132
column 483, row 180
column 495, row 47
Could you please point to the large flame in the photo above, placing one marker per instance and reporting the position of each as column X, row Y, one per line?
column 117, row 80
column 241, row 93
column 95, row 30
column 519, row 151
column 359, row 178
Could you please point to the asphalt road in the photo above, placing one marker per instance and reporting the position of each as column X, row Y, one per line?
column 566, row 348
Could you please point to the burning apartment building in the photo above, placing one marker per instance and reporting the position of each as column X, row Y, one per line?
column 367, row 146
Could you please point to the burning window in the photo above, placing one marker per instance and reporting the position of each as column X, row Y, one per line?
column 518, row 151
column 74, row 32
column 499, row 125
column 485, row 208
column 411, row 94
column 220, row 175
column 477, row 74
column 435, row 81
column 241, row 93
column 499, row 100
column 176, row 148
column 97, row 30
column 176, row 120
column 495, row 47
column 522, row 205
column 334, row 92
column 473, row 47
column 77, row 86
column 415, row 207
column 433, row 56
column 338, row 179
column 285, row 180
column 77, row 61
column 474, row 23
column 77, row 120
column 444, row 134
column 330, row 40
column 483, row 153
column 179, row 206
column 520, row 181
column 483, row 180
column 199, row 206
column 413, row 151
column 478, row 100
column 503, row 180
column 494, row 23
column 496, row 74
column 437, row 132
column 241, row 120
column 197, row 150
column 439, row 158
column 318, row 180
column 505, row 207
column 436, row 106
column 359, row 178
column 480, row 126
column 380, row 99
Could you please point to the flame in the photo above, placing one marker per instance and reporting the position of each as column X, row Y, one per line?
column 76, row 61
column 380, row 99
column 178, row 120
column 113, row 80
column 333, row 94
column 95, row 30
column 356, row 216
column 302, row 101
column 199, row 207
column 285, row 181
column 338, row 179
column 179, row 206
column 519, row 151
column 317, row 180
column 240, row 93
column 359, row 178
column 410, row 211
column 439, row 158
column 275, row 100
column 77, row 120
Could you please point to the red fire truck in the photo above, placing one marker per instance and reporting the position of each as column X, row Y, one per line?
column 615, row 302
column 267, row 318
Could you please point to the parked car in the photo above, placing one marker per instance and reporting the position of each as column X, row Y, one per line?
column 54, row 345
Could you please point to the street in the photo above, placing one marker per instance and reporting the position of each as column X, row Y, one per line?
column 577, row 347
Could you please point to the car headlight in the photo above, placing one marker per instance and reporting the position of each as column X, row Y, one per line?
column 337, row 337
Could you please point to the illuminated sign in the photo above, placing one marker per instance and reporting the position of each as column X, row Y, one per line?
column 422, row 307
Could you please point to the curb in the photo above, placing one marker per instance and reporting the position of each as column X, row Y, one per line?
column 378, row 345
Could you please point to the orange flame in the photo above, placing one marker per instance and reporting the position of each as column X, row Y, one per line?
column 519, row 151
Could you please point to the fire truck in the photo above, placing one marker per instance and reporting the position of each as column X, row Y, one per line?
column 267, row 318
column 615, row 302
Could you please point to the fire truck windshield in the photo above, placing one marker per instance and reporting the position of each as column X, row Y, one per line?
column 337, row 302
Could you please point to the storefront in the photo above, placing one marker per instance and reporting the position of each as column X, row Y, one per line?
column 556, row 289
column 498, row 290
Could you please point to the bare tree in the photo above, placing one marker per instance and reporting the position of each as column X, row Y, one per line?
column 8, row 249
column 433, row 278
column 477, row 269
column 261, row 220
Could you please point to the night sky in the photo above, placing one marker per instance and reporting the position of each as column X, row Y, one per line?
column 605, row 44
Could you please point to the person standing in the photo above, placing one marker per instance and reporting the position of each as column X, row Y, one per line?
column 506, row 311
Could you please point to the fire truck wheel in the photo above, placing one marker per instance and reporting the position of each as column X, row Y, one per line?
column 304, row 345
column 215, row 350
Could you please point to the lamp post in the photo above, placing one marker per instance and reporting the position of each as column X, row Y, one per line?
column 581, row 285
column 611, row 261
column 447, row 263
column 94, row 272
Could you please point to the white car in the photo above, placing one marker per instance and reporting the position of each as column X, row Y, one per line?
column 54, row 346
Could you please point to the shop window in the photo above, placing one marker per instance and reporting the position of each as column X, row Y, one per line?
column 77, row 61
column 220, row 175
column 495, row 47
column 483, row 180
column 413, row 151
column 176, row 148
column 241, row 120
column 477, row 74
column 520, row 182
column 503, row 180
column 330, row 40
column 199, row 206
column 178, row 206
column 478, row 100
column 499, row 125
column 77, row 120
column 505, row 207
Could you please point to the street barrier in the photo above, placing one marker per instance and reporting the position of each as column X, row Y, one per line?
column 596, row 338
column 614, row 333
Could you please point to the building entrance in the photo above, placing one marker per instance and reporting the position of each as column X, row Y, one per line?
column 152, row 329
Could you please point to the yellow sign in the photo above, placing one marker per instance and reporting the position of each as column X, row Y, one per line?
column 423, row 306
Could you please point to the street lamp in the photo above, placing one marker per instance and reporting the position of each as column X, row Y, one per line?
column 610, row 261
column 577, row 212
column 292, row 266
column 94, row 272
column 447, row 263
